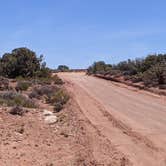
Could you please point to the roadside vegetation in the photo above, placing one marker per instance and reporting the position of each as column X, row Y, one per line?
column 25, row 81
column 151, row 71
column 11, row 98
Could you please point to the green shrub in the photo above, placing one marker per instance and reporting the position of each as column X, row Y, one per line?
column 59, row 96
column 23, row 85
column 4, row 83
column 99, row 67
column 58, row 99
column 42, row 81
column 58, row 107
column 137, row 78
column 57, row 80
column 156, row 75
column 48, row 80
column 47, row 90
column 17, row 110
column 16, row 99
column 22, row 62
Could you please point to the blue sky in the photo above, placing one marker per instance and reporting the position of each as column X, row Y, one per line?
column 79, row 32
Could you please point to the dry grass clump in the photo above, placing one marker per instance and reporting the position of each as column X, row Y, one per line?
column 17, row 110
column 4, row 83
column 12, row 98
column 46, row 90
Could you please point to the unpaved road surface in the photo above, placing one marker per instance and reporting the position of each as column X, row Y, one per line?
column 133, row 121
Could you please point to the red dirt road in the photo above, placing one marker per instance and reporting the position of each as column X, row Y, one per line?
column 133, row 121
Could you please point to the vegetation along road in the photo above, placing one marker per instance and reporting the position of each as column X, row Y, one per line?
column 133, row 121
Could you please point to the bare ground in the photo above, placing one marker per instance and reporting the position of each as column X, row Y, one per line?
column 132, row 121
column 73, row 141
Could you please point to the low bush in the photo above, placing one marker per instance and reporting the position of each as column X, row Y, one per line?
column 58, row 96
column 23, row 85
column 115, row 72
column 58, row 99
column 40, row 91
column 16, row 99
column 48, row 80
column 17, row 110
column 42, row 80
column 137, row 78
column 34, row 94
column 58, row 107
column 99, row 67
column 4, row 83
column 57, row 80
column 53, row 95
column 156, row 75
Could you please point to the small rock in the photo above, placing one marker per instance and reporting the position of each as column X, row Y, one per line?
column 51, row 119
column 47, row 113
column 14, row 147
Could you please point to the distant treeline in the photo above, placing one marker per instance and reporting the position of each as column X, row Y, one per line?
column 150, row 70
column 64, row 68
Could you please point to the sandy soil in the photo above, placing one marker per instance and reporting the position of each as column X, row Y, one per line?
column 73, row 141
column 132, row 122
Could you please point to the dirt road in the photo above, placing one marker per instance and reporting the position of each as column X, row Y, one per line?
column 133, row 121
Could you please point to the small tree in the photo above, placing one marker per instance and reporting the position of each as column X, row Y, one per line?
column 20, row 62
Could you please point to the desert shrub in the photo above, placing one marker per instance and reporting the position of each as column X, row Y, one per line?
column 57, row 80
column 59, row 96
column 156, row 75
column 43, row 80
column 137, row 78
column 99, row 67
column 40, row 91
column 11, row 98
column 58, row 107
column 115, row 72
column 44, row 72
column 58, row 99
column 52, row 94
column 4, row 83
column 23, row 85
column 47, row 80
column 162, row 86
column 46, row 90
column 20, row 78
column 127, row 77
column 34, row 94
column 17, row 110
